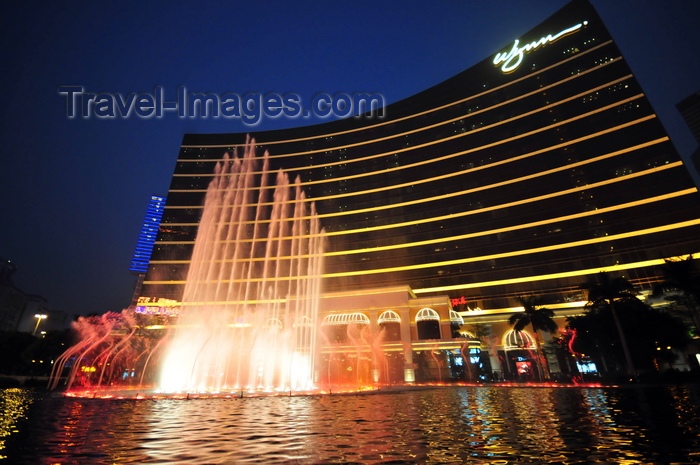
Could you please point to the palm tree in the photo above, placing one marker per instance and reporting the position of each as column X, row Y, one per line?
column 540, row 318
column 605, row 291
column 681, row 285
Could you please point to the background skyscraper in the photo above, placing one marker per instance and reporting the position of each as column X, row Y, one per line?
column 493, row 184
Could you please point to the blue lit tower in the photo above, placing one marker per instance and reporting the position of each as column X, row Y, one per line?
column 146, row 240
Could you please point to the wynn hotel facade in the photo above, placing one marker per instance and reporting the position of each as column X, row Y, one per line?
column 523, row 175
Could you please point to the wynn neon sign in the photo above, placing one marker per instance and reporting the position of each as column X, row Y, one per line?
column 512, row 59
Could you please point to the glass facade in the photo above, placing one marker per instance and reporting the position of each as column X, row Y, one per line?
column 487, row 186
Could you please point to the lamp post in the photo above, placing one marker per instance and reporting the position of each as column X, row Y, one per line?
column 39, row 317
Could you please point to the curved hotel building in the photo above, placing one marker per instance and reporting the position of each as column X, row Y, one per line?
column 523, row 175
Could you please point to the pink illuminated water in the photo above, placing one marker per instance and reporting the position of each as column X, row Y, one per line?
column 455, row 425
column 249, row 314
column 250, row 306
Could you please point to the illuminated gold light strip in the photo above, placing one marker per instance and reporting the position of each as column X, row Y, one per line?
column 239, row 260
column 439, row 240
column 520, row 202
column 449, row 138
column 442, row 123
column 415, row 115
column 544, row 277
column 484, row 209
column 467, row 171
column 512, row 227
column 498, row 184
column 455, row 155
column 234, row 302
column 548, row 248
column 465, row 314
column 567, row 245
column 484, row 187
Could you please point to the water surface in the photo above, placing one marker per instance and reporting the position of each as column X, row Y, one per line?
column 441, row 425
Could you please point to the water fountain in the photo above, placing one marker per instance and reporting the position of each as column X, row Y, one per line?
column 250, row 306
column 249, row 313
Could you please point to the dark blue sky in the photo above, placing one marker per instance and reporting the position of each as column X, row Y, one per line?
column 73, row 192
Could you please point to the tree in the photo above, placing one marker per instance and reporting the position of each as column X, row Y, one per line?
column 541, row 318
column 649, row 337
column 681, row 286
column 607, row 292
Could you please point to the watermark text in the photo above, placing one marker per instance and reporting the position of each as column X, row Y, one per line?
column 250, row 108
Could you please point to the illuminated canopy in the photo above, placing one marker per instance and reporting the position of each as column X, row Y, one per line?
column 427, row 314
column 346, row 319
column 456, row 318
column 389, row 316
column 513, row 339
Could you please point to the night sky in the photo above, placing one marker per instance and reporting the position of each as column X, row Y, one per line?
column 73, row 192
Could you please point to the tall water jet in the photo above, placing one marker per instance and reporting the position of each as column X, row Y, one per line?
column 250, row 306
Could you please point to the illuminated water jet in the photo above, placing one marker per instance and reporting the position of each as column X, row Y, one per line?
column 249, row 314
column 250, row 305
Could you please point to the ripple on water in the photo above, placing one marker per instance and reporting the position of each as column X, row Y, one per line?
column 437, row 426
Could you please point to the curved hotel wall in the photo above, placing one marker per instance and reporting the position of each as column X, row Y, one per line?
column 487, row 186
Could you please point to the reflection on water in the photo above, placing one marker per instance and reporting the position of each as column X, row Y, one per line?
column 13, row 405
column 441, row 425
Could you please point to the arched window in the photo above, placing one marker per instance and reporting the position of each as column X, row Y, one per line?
column 456, row 322
column 336, row 326
column 428, row 324
column 303, row 332
column 427, row 314
column 304, row 321
column 345, row 318
column 456, row 318
column 390, row 323
column 513, row 339
column 273, row 323
column 389, row 316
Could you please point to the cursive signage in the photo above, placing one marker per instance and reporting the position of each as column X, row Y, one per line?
column 510, row 60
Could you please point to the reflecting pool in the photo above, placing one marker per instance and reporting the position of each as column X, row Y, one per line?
column 432, row 425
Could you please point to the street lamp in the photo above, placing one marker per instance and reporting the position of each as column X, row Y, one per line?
column 39, row 317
